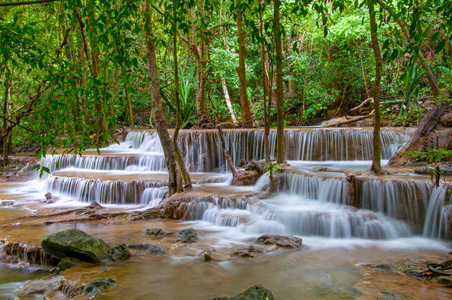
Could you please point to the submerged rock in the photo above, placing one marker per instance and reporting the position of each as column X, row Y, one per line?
column 77, row 244
column 256, row 292
column 280, row 240
column 38, row 286
column 119, row 253
column 96, row 286
column 149, row 248
column 250, row 251
column 158, row 232
column 187, row 236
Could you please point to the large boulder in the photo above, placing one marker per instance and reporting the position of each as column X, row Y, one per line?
column 76, row 244
column 256, row 292
column 280, row 240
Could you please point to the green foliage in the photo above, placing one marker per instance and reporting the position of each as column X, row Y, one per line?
column 432, row 155
column 272, row 167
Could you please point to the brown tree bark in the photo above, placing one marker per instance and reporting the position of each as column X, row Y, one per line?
column 247, row 120
column 179, row 157
column 280, row 158
column 158, row 115
column 265, row 88
column 376, row 158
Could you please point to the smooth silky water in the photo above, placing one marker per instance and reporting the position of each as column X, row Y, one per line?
column 336, row 237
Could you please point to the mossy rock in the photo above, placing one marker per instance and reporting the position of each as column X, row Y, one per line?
column 119, row 253
column 256, row 292
column 76, row 244
column 95, row 286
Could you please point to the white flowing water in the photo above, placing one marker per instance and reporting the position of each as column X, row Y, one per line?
column 317, row 206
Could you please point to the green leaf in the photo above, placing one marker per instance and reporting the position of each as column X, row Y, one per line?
column 440, row 46
column 395, row 54
column 434, row 37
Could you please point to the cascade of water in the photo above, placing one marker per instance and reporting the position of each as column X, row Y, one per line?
column 398, row 200
column 326, row 190
column 438, row 214
column 102, row 191
column 152, row 196
column 296, row 215
column 95, row 162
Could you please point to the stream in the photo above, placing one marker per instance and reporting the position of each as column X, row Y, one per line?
column 386, row 220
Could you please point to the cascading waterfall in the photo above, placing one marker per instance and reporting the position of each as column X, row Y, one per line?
column 202, row 149
column 323, row 189
column 399, row 200
column 97, row 162
column 310, row 206
column 103, row 191
column 439, row 215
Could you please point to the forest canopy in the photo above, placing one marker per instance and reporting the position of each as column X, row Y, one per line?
column 74, row 71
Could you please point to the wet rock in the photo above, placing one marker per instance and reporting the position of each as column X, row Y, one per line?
column 250, row 251
column 37, row 286
column 48, row 196
column 95, row 205
column 139, row 247
column 245, row 178
column 256, row 292
column 155, row 250
column 280, row 240
column 119, row 253
column 383, row 267
column 76, row 244
column 187, row 236
column 207, row 255
column 158, row 232
column 96, row 286
column 149, row 248
column 447, row 281
column 13, row 252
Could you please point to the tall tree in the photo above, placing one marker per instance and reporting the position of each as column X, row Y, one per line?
column 376, row 158
column 157, row 106
column 279, row 86
column 247, row 120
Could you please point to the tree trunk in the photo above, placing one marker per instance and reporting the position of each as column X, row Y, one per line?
column 129, row 105
column 247, row 120
column 5, row 123
column 227, row 98
column 376, row 158
column 264, row 88
column 279, row 87
column 157, row 106
column 179, row 157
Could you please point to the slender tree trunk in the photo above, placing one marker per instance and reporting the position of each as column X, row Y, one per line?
column 362, row 68
column 227, row 98
column 264, row 88
column 129, row 105
column 279, row 87
column 5, row 123
column 376, row 158
column 157, row 106
column 179, row 157
column 247, row 120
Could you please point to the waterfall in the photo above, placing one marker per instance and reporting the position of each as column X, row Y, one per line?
column 326, row 190
column 102, row 191
column 399, row 200
column 439, row 215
